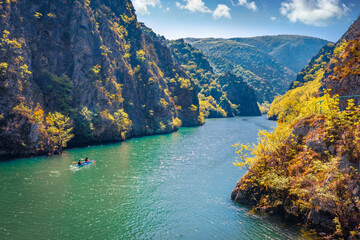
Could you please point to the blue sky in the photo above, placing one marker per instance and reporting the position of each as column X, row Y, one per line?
column 327, row 19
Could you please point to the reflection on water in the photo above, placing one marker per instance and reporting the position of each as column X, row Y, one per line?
column 159, row 187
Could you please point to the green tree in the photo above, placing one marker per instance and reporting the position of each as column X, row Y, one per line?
column 59, row 89
column 84, row 126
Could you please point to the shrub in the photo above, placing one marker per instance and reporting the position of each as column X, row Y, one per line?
column 140, row 55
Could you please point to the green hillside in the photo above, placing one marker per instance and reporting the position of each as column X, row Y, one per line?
column 224, row 95
column 293, row 51
column 267, row 63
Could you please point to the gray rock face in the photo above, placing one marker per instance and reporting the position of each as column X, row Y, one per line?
column 348, row 61
column 240, row 94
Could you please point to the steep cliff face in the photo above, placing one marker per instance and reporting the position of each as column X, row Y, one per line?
column 353, row 32
column 89, row 61
column 241, row 96
column 335, row 67
column 193, row 61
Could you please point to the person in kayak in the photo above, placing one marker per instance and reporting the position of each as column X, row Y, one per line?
column 86, row 159
column 79, row 162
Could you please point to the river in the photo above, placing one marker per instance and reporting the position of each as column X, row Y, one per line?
column 174, row 186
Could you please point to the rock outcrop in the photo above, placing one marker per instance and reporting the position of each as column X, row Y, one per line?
column 340, row 62
column 335, row 67
column 314, row 178
column 241, row 96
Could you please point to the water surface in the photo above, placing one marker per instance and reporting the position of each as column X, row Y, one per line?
column 174, row 186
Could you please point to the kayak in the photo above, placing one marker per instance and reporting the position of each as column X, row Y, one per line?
column 85, row 163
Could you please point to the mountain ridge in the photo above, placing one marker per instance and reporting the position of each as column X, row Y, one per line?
column 284, row 48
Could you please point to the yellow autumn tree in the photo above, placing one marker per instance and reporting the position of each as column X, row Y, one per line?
column 59, row 130
column 123, row 123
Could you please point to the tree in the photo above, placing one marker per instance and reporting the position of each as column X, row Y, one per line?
column 59, row 130
column 123, row 123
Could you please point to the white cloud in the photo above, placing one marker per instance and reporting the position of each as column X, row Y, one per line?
column 249, row 5
column 194, row 6
column 141, row 6
column 221, row 11
column 313, row 12
column 273, row 18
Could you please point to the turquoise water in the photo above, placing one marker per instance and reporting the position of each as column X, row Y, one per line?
column 174, row 186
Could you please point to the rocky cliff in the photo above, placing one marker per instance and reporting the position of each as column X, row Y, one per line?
column 242, row 97
column 91, row 63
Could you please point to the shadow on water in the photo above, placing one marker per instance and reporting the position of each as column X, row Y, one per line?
column 259, row 124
